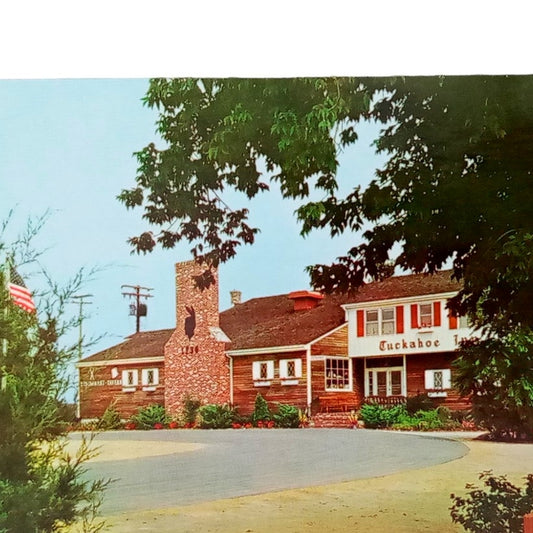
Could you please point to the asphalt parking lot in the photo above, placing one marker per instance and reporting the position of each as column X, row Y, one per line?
column 232, row 463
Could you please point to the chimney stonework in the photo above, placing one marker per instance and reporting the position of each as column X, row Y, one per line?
column 195, row 362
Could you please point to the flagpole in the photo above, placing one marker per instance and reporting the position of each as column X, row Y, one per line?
column 3, row 379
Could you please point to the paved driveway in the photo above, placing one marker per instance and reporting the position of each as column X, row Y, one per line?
column 242, row 462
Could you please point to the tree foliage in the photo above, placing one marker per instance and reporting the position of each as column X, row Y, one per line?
column 42, row 486
column 456, row 184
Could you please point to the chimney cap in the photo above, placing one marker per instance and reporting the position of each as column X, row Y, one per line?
column 305, row 300
column 305, row 294
column 235, row 297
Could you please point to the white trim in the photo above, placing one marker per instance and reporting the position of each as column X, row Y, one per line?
column 308, row 377
column 267, row 350
column 144, row 377
column 119, row 362
column 281, row 349
column 388, row 385
column 230, row 379
column 350, row 375
column 399, row 301
column 330, row 332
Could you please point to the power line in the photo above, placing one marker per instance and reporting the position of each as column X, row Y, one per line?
column 138, row 309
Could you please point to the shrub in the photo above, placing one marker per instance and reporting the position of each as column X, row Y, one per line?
column 110, row 419
column 147, row 417
column 190, row 409
column 498, row 508
column 420, row 402
column 214, row 416
column 377, row 416
column 261, row 410
column 287, row 416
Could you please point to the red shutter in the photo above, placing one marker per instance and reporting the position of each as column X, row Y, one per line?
column 360, row 323
column 399, row 319
column 452, row 318
column 414, row 316
column 436, row 313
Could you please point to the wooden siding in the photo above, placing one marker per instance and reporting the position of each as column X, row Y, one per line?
column 318, row 385
column 334, row 344
column 99, row 390
column 245, row 392
column 416, row 367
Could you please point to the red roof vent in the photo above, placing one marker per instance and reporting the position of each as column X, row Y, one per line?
column 304, row 300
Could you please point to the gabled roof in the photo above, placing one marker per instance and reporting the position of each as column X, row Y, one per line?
column 410, row 285
column 139, row 345
column 271, row 321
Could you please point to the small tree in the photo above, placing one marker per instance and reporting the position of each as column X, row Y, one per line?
column 42, row 487
column 261, row 410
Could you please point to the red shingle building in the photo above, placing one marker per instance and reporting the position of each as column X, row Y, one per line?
column 389, row 340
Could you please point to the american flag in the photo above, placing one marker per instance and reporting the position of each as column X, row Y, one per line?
column 18, row 291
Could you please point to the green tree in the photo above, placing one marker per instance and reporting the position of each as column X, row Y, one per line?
column 42, row 487
column 456, row 185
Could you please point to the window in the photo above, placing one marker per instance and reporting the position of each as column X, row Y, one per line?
column 372, row 322
column 387, row 321
column 384, row 382
column 426, row 315
column 150, row 378
column 338, row 374
column 380, row 321
column 464, row 322
column 438, row 381
column 262, row 372
column 290, row 370
column 130, row 380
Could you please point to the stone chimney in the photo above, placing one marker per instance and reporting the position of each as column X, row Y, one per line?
column 195, row 355
column 235, row 297
column 304, row 300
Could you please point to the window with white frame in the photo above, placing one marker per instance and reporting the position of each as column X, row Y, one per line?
column 384, row 382
column 372, row 322
column 338, row 374
column 426, row 315
column 438, row 379
column 464, row 322
column 380, row 321
column 262, row 372
column 150, row 377
column 290, row 369
column 130, row 380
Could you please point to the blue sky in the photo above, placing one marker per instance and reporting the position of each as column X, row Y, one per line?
column 71, row 116
column 67, row 147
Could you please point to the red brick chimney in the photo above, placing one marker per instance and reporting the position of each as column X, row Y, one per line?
column 195, row 356
column 304, row 300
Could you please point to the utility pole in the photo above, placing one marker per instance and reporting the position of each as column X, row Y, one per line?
column 80, row 299
column 140, row 308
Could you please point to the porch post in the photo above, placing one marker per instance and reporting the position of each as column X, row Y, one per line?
column 308, row 377
column 404, row 376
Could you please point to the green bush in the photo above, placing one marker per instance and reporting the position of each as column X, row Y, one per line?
column 190, row 409
column 377, row 416
column 214, row 416
column 261, row 410
column 109, row 420
column 498, row 508
column 147, row 417
column 398, row 417
column 287, row 416
column 420, row 402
